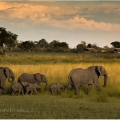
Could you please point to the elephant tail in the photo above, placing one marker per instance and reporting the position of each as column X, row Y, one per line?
column 70, row 82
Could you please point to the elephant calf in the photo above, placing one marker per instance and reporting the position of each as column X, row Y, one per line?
column 17, row 87
column 32, row 87
column 56, row 88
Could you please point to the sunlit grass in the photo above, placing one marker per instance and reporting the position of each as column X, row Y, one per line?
column 58, row 73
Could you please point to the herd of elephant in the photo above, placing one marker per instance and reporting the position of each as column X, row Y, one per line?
column 29, row 83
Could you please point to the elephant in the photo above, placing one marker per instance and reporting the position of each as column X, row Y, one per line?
column 32, row 87
column 5, row 73
column 33, row 78
column 17, row 87
column 80, row 77
column 56, row 87
column 2, row 92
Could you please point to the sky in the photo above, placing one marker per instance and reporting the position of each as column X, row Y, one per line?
column 95, row 22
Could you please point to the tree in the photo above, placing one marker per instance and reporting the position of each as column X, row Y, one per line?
column 7, row 38
column 27, row 45
column 43, row 43
column 95, row 46
column 115, row 44
column 64, row 45
column 89, row 45
column 55, row 45
column 81, row 47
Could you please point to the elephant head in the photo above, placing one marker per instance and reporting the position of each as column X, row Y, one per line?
column 9, row 74
column 60, row 86
column 102, row 72
column 41, row 78
column 37, row 86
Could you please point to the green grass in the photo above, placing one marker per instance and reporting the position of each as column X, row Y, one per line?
column 57, row 107
column 56, row 58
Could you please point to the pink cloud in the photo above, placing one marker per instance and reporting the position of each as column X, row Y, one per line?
column 44, row 14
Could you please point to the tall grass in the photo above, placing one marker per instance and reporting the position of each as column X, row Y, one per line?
column 58, row 73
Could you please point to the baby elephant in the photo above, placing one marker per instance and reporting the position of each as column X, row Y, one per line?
column 32, row 87
column 17, row 87
column 56, row 88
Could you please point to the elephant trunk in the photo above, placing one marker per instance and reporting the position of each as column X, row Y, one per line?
column 105, row 79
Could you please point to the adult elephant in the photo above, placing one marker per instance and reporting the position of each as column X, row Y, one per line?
column 80, row 77
column 33, row 78
column 5, row 73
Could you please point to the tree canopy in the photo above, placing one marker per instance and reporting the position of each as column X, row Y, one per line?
column 26, row 45
column 7, row 38
column 116, row 44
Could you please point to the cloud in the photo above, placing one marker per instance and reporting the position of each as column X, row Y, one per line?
column 54, row 15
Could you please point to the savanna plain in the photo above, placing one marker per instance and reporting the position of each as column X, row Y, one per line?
column 63, row 105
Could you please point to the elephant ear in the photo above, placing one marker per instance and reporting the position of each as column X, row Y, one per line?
column 99, row 71
column 7, row 72
column 38, row 77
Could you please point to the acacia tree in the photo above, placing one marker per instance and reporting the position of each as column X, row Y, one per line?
column 7, row 38
column 116, row 44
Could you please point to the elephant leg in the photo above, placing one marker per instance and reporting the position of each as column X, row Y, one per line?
column 35, row 91
column 22, row 91
column 3, row 85
column 31, row 92
column 97, row 85
column 13, row 93
column 27, row 90
column 19, row 91
column 52, row 91
column 58, row 89
column 77, row 90
column 89, row 88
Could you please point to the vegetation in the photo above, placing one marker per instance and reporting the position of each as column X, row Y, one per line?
column 7, row 38
column 28, row 58
column 56, row 67
column 9, row 42
column 56, row 107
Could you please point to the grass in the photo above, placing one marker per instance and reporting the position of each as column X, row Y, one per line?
column 57, row 107
column 55, row 58
column 64, row 105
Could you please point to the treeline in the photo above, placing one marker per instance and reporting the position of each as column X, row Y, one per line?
column 9, row 42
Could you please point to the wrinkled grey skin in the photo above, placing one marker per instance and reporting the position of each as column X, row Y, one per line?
column 56, row 88
column 33, row 78
column 32, row 87
column 5, row 73
column 17, row 87
column 80, row 77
